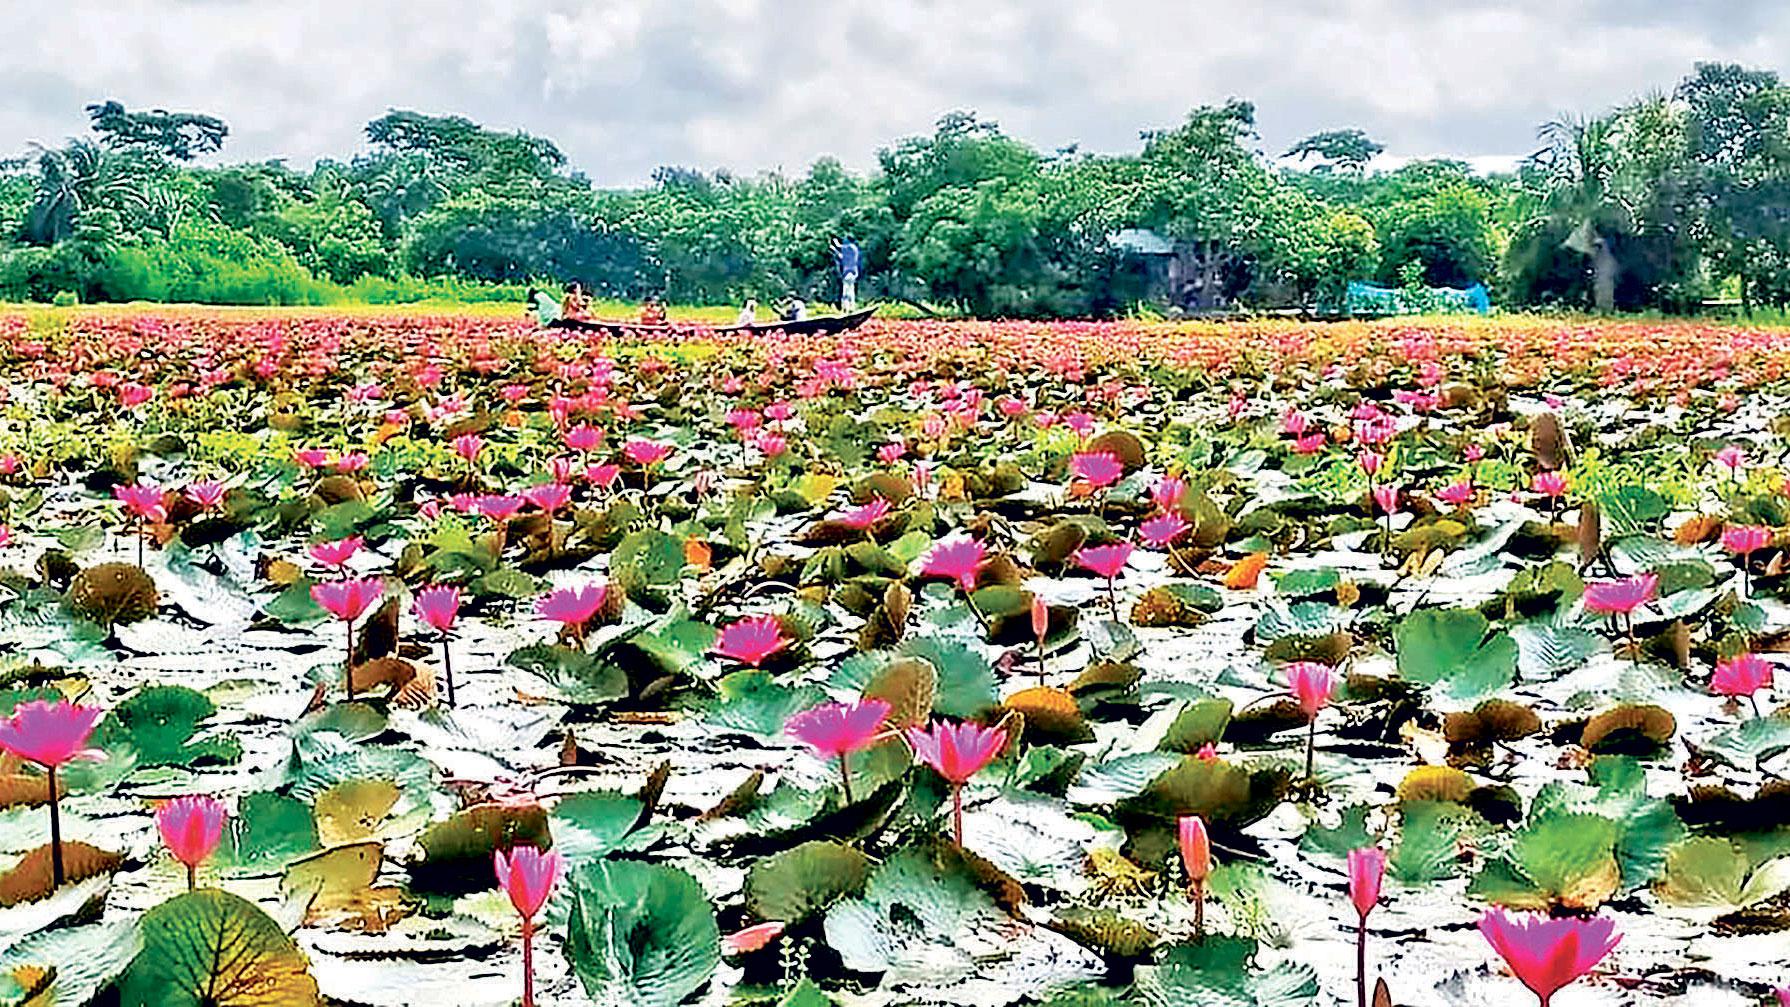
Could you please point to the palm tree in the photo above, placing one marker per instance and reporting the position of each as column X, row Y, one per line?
column 1579, row 162
column 76, row 180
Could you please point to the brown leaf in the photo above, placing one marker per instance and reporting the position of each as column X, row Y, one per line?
column 1591, row 533
column 908, row 685
column 737, row 800
column 29, row 879
column 379, row 637
column 1548, row 441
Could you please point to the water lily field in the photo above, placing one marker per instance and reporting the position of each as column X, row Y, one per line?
column 391, row 658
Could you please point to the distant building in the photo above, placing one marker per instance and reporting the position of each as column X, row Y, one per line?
column 1190, row 275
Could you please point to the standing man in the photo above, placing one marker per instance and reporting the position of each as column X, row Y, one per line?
column 849, row 258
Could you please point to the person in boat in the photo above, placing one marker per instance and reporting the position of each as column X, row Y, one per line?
column 849, row 258
column 575, row 303
column 652, row 312
column 748, row 314
column 542, row 306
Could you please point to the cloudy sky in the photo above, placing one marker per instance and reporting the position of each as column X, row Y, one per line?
column 626, row 85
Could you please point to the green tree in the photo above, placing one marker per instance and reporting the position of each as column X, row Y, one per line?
column 179, row 135
column 1738, row 142
column 1577, row 169
column 1344, row 150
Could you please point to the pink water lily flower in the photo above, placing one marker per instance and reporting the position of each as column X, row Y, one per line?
column 1163, row 529
column 348, row 599
column 1549, row 484
column 1745, row 539
column 549, row 497
column 191, row 827
column 336, row 555
column 438, row 606
column 528, row 877
column 1312, row 684
column 1741, row 675
column 208, row 494
column 1547, row 954
column 957, row 752
column 571, row 606
column 754, row 938
column 1104, row 560
column 1168, row 492
column 956, row 559
column 468, row 446
column 51, row 734
column 500, row 507
column 864, row 515
column 835, row 731
column 1623, row 596
column 645, row 453
column 1196, row 859
column 1456, row 494
column 1367, row 869
column 751, row 640
column 1099, row 468
column 583, row 438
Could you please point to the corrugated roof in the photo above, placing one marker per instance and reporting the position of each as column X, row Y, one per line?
column 1140, row 241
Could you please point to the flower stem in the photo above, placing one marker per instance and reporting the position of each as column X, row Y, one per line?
column 348, row 659
column 845, row 776
column 447, row 665
column 192, row 877
column 1361, row 964
column 1112, row 598
column 56, row 875
column 1198, row 891
column 528, row 963
column 1311, row 744
column 957, row 813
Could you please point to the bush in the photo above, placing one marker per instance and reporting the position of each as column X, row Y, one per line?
column 65, row 299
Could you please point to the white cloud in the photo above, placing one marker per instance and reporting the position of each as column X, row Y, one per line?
column 626, row 85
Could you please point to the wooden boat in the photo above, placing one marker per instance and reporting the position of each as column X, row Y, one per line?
column 826, row 325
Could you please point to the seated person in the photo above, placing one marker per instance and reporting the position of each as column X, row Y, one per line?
column 652, row 312
column 748, row 314
column 575, row 303
column 795, row 311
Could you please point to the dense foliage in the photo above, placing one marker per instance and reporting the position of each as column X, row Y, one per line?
column 1659, row 204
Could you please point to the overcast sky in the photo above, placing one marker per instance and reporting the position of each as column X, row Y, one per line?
column 626, row 85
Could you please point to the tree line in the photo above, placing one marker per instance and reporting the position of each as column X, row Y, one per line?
column 1663, row 203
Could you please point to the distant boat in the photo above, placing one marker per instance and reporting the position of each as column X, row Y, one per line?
column 825, row 325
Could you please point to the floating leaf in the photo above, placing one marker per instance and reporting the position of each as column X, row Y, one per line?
column 1455, row 650
column 212, row 949
column 793, row 885
column 157, row 724
column 640, row 934
column 30, row 878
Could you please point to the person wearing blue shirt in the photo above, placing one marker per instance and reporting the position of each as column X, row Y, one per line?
column 848, row 256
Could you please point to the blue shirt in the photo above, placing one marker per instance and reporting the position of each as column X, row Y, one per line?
column 848, row 256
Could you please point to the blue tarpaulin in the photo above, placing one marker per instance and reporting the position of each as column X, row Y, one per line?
column 1367, row 299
